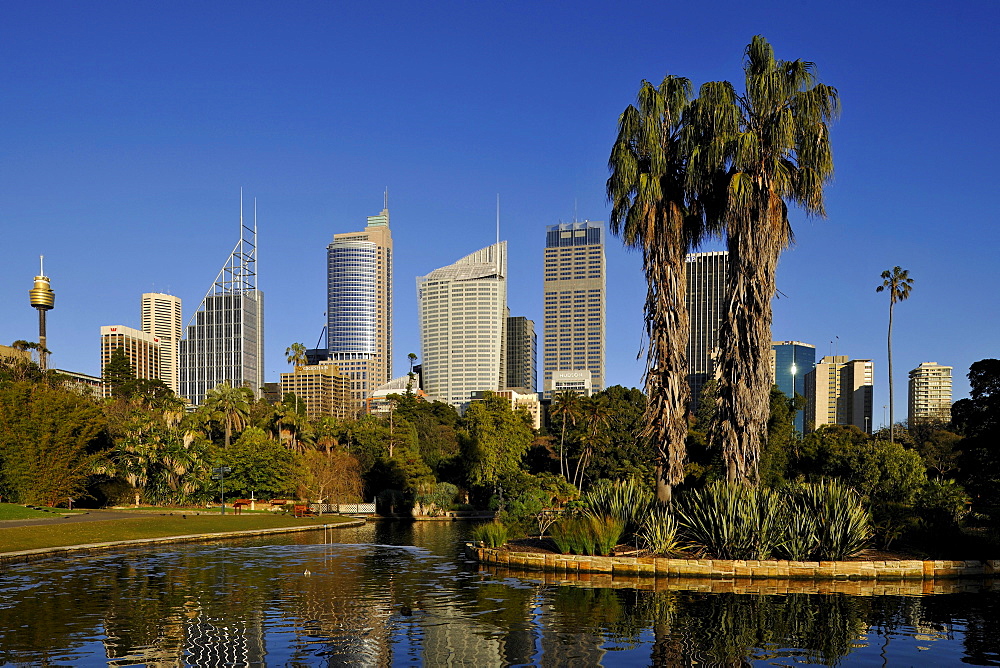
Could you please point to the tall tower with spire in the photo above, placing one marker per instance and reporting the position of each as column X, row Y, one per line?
column 359, row 306
column 44, row 299
column 224, row 339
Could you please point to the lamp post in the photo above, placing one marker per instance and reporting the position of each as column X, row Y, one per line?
column 219, row 473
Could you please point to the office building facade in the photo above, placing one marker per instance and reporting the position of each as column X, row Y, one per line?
column 462, row 311
column 575, row 301
column 161, row 317
column 839, row 391
column 522, row 355
column 790, row 362
column 224, row 340
column 359, row 307
column 705, row 278
column 141, row 349
column 930, row 393
column 321, row 387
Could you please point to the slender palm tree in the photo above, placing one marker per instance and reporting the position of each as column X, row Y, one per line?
column 596, row 414
column 898, row 284
column 565, row 405
column 232, row 404
column 654, row 212
column 753, row 154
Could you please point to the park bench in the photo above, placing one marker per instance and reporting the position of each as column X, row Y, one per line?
column 278, row 504
column 303, row 511
column 240, row 504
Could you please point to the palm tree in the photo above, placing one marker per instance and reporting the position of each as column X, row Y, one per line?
column 753, row 154
column 232, row 404
column 566, row 405
column 653, row 211
column 295, row 354
column 898, row 284
column 596, row 414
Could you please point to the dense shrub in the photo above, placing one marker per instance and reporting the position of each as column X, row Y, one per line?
column 587, row 534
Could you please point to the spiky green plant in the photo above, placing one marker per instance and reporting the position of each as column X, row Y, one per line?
column 493, row 534
column 843, row 525
column 732, row 521
column 799, row 540
column 658, row 531
column 572, row 535
column 626, row 500
column 605, row 533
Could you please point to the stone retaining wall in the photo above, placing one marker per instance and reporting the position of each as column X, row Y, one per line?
column 726, row 569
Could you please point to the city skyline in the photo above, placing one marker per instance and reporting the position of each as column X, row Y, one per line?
column 132, row 129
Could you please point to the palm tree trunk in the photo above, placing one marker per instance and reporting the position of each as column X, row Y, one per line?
column 892, row 419
column 562, row 443
column 229, row 430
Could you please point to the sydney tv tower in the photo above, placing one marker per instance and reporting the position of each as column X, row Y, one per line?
column 43, row 299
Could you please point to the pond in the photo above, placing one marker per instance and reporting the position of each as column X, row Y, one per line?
column 396, row 593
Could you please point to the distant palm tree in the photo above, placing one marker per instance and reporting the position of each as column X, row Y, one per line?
column 565, row 405
column 898, row 284
column 231, row 404
column 295, row 355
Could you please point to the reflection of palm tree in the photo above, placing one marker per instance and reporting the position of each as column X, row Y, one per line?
column 653, row 212
column 898, row 284
column 565, row 405
column 232, row 404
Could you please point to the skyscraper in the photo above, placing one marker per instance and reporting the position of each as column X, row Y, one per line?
column 161, row 316
column 321, row 387
column 522, row 354
column 359, row 306
column 839, row 391
column 575, row 301
column 141, row 348
column 930, row 393
column 462, row 310
column 224, row 340
column 792, row 360
column 705, row 274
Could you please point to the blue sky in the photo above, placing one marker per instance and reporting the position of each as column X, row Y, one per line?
column 127, row 130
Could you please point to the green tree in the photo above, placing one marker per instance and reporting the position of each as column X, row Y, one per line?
column 230, row 405
column 51, row 440
column 295, row 355
column 781, row 437
column 597, row 415
column 978, row 420
column 259, row 466
column 619, row 452
column 898, row 284
column 756, row 153
column 118, row 372
column 566, row 407
column 654, row 212
column 498, row 439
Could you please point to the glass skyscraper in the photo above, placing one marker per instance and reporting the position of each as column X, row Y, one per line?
column 792, row 361
column 705, row 274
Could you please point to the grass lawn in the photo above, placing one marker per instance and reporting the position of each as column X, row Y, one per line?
column 57, row 534
column 14, row 511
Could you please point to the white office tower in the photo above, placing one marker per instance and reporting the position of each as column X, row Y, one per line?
column 930, row 393
column 161, row 317
column 463, row 316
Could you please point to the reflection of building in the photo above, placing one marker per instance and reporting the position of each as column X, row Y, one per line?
column 522, row 355
column 141, row 349
column 462, row 311
column 225, row 642
column 930, row 393
column 839, row 391
column 573, row 381
column 574, row 287
column 706, row 291
column 161, row 316
column 528, row 402
column 790, row 362
column 224, row 341
column 359, row 306
column 321, row 387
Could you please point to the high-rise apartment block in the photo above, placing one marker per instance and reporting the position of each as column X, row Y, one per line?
column 321, row 387
column 141, row 348
column 522, row 355
column 930, row 393
column 224, row 340
column 705, row 275
column 575, row 296
column 839, row 391
column 462, row 310
column 161, row 317
column 790, row 362
column 359, row 307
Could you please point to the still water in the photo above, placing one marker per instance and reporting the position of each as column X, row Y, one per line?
column 402, row 594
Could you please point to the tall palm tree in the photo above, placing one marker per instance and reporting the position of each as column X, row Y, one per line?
column 596, row 414
column 565, row 405
column 295, row 355
column 653, row 211
column 755, row 153
column 898, row 284
column 232, row 404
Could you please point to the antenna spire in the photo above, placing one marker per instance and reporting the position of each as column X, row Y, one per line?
column 41, row 265
column 498, row 217
column 385, row 199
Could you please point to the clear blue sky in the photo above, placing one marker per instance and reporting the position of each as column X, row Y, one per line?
column 127, row 130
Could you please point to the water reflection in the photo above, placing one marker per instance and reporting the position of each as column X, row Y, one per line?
column 395, row 593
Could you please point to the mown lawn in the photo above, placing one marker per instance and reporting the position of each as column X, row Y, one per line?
column 14, row 511
column 60, row 534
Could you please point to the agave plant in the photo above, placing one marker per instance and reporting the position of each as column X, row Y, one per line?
column 843, row 525
column 626, row 500
column 658, row 531
column 732, row 521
